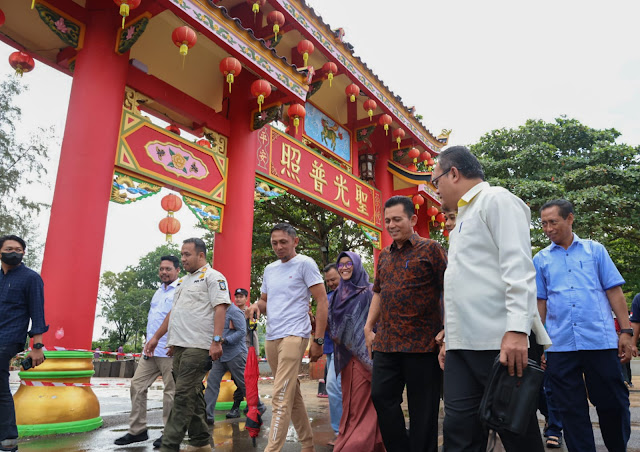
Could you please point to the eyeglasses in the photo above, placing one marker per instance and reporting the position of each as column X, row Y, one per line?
column 345, row 265
column 435, row 181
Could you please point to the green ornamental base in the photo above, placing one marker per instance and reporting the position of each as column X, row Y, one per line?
column 226, row 406
column 62, row 427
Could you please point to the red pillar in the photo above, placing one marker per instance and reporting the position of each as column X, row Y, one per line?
column 233, row 245
column 73, row 252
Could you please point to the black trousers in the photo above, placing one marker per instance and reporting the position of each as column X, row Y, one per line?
column 421, row 374
column 466, row 374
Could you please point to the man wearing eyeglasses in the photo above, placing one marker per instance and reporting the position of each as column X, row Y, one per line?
column 489, row 297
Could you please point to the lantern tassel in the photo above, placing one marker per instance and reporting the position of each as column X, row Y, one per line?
column 276, row 29
column 230, row 81
column 370, row 115
column 260, row 102
column 417, row 207
column 386, row 129
column 330, row 77
column 256, row 9
column 169, row 238
column 124, row 12
column 184, row 49
column 33, row 3
column 305, row 58
column 352, row 98
column 398, row 141
column 296, row 123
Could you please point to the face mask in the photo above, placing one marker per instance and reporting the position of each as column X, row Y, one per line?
column 12, row 258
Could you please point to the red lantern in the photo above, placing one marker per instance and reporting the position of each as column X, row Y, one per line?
column 185, row 38
column 204, row 143
column 431, row 163
column 21, row 62
column 255, row 5
column 275, row 18
column 125, row 7
column 305, row 48
column 432, row 212
column 445, row 233
column 424, row 156
column 412, row 167
column 169, row 226
column 413, row 154
column 440, row 218
column 2, row 18
column 296, row 111
column 418, row 200
column 331, row 69
column 385, row 120
column 173, row 128
column 352, row 91
column 370, row 105
column 260, row 89
column 230, row 67
column 398, row 134
column 171, row 203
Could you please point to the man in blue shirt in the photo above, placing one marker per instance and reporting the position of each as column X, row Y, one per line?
column 150, row 367
column 578, row 286
column 635, row 322
column 21, row 300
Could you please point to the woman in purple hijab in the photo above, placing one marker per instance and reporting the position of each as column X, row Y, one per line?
column 348, row 310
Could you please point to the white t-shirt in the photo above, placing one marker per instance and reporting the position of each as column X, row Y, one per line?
column 287, row 288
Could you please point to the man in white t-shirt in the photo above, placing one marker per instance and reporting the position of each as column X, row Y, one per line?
column 288, row 283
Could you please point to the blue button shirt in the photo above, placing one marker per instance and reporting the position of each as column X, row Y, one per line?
column 234, row 343
column 635, row 309
column 574, row 283
column 21, row 299
column 161, row 304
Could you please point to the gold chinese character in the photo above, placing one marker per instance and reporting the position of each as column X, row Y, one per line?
column 361, row 199
column 317, row 174
column 341, row 183
column 263, row 136
column 291, row 161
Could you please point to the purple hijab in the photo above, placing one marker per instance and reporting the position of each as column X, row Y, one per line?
column 348, row 311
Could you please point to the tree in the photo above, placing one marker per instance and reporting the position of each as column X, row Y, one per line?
column 21, row 164
column 126, row 296
column 541, row 161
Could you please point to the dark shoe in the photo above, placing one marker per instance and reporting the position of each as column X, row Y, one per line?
column 9, row 448
column 129, row 438
column 210, row 421
column 234, row 413
column 157, row 444
column 554, row 442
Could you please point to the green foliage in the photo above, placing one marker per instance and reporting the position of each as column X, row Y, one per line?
column 21, row 164
column 541, row 161
column 126, row 297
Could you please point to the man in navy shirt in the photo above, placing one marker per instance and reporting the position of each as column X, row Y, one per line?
column 578, row 286
column 21, row 300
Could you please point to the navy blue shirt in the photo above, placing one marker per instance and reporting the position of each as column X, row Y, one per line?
column 635, row 309
column 21, row 299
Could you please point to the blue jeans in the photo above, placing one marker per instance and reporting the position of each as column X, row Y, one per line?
column 334, row 389
column 8, row 429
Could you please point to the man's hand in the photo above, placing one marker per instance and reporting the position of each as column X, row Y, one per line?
column 634, row 350
column 315, row 352
column 252, row 312
column 150, row 346
column 369, row 336
column 514, row 352
column 441, row 356
column 440, row 338
column 170, row 351
column 37, row 356
column 625, row 348
column 543, row 362
column 215, row 351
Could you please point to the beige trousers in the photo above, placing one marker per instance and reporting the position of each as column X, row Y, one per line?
column 146, row 373
column 284, row 357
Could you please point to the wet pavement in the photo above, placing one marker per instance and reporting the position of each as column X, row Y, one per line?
column 229, row 434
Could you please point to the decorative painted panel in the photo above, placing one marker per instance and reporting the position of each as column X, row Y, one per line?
column 327, row 133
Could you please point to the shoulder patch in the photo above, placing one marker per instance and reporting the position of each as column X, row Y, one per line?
column 222, row 284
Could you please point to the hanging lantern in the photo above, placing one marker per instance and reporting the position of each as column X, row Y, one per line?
column 204, row 143
column 370, row 105
column 445, row 233
column 385, row 120
column 169, row 226
column 432, row 212
column 305, row 48
column 173, row 128
column 352, row 91
column 260, row 89
column 275, row 18
column 171, row 203
column 431, row 163
column 440, row 218
column 2, row 18
column 255, row 5
column 230, row 67
column 185, row 38
column 295, row 112
column 424, row 156
column 125, row 7
column 413, row 154
column 398, row 134
column 418, row 200
column 331, row 69
column 412, row 167
column 21, row 62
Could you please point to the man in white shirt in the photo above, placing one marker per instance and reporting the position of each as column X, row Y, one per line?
column 149, row 368
column 195, row 326
column 288, row 283
column 489, row 298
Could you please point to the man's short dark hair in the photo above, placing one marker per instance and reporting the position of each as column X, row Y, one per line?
column 15, row 238
column 464, row 161
column 174, row 260
column 199, row 245
column 406, row 203
column 330, row 267
column 564, row 207
column 285, row 227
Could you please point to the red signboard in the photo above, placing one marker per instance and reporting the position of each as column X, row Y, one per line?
column 309, row 175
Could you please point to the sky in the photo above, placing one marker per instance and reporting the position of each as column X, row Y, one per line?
column 465, row 65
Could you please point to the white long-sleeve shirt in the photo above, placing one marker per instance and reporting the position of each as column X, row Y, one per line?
column 489, row 284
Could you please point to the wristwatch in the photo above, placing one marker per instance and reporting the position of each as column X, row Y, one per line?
column 623, row 330
column 319, row 340
column 38, row 346
column 217, row 339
